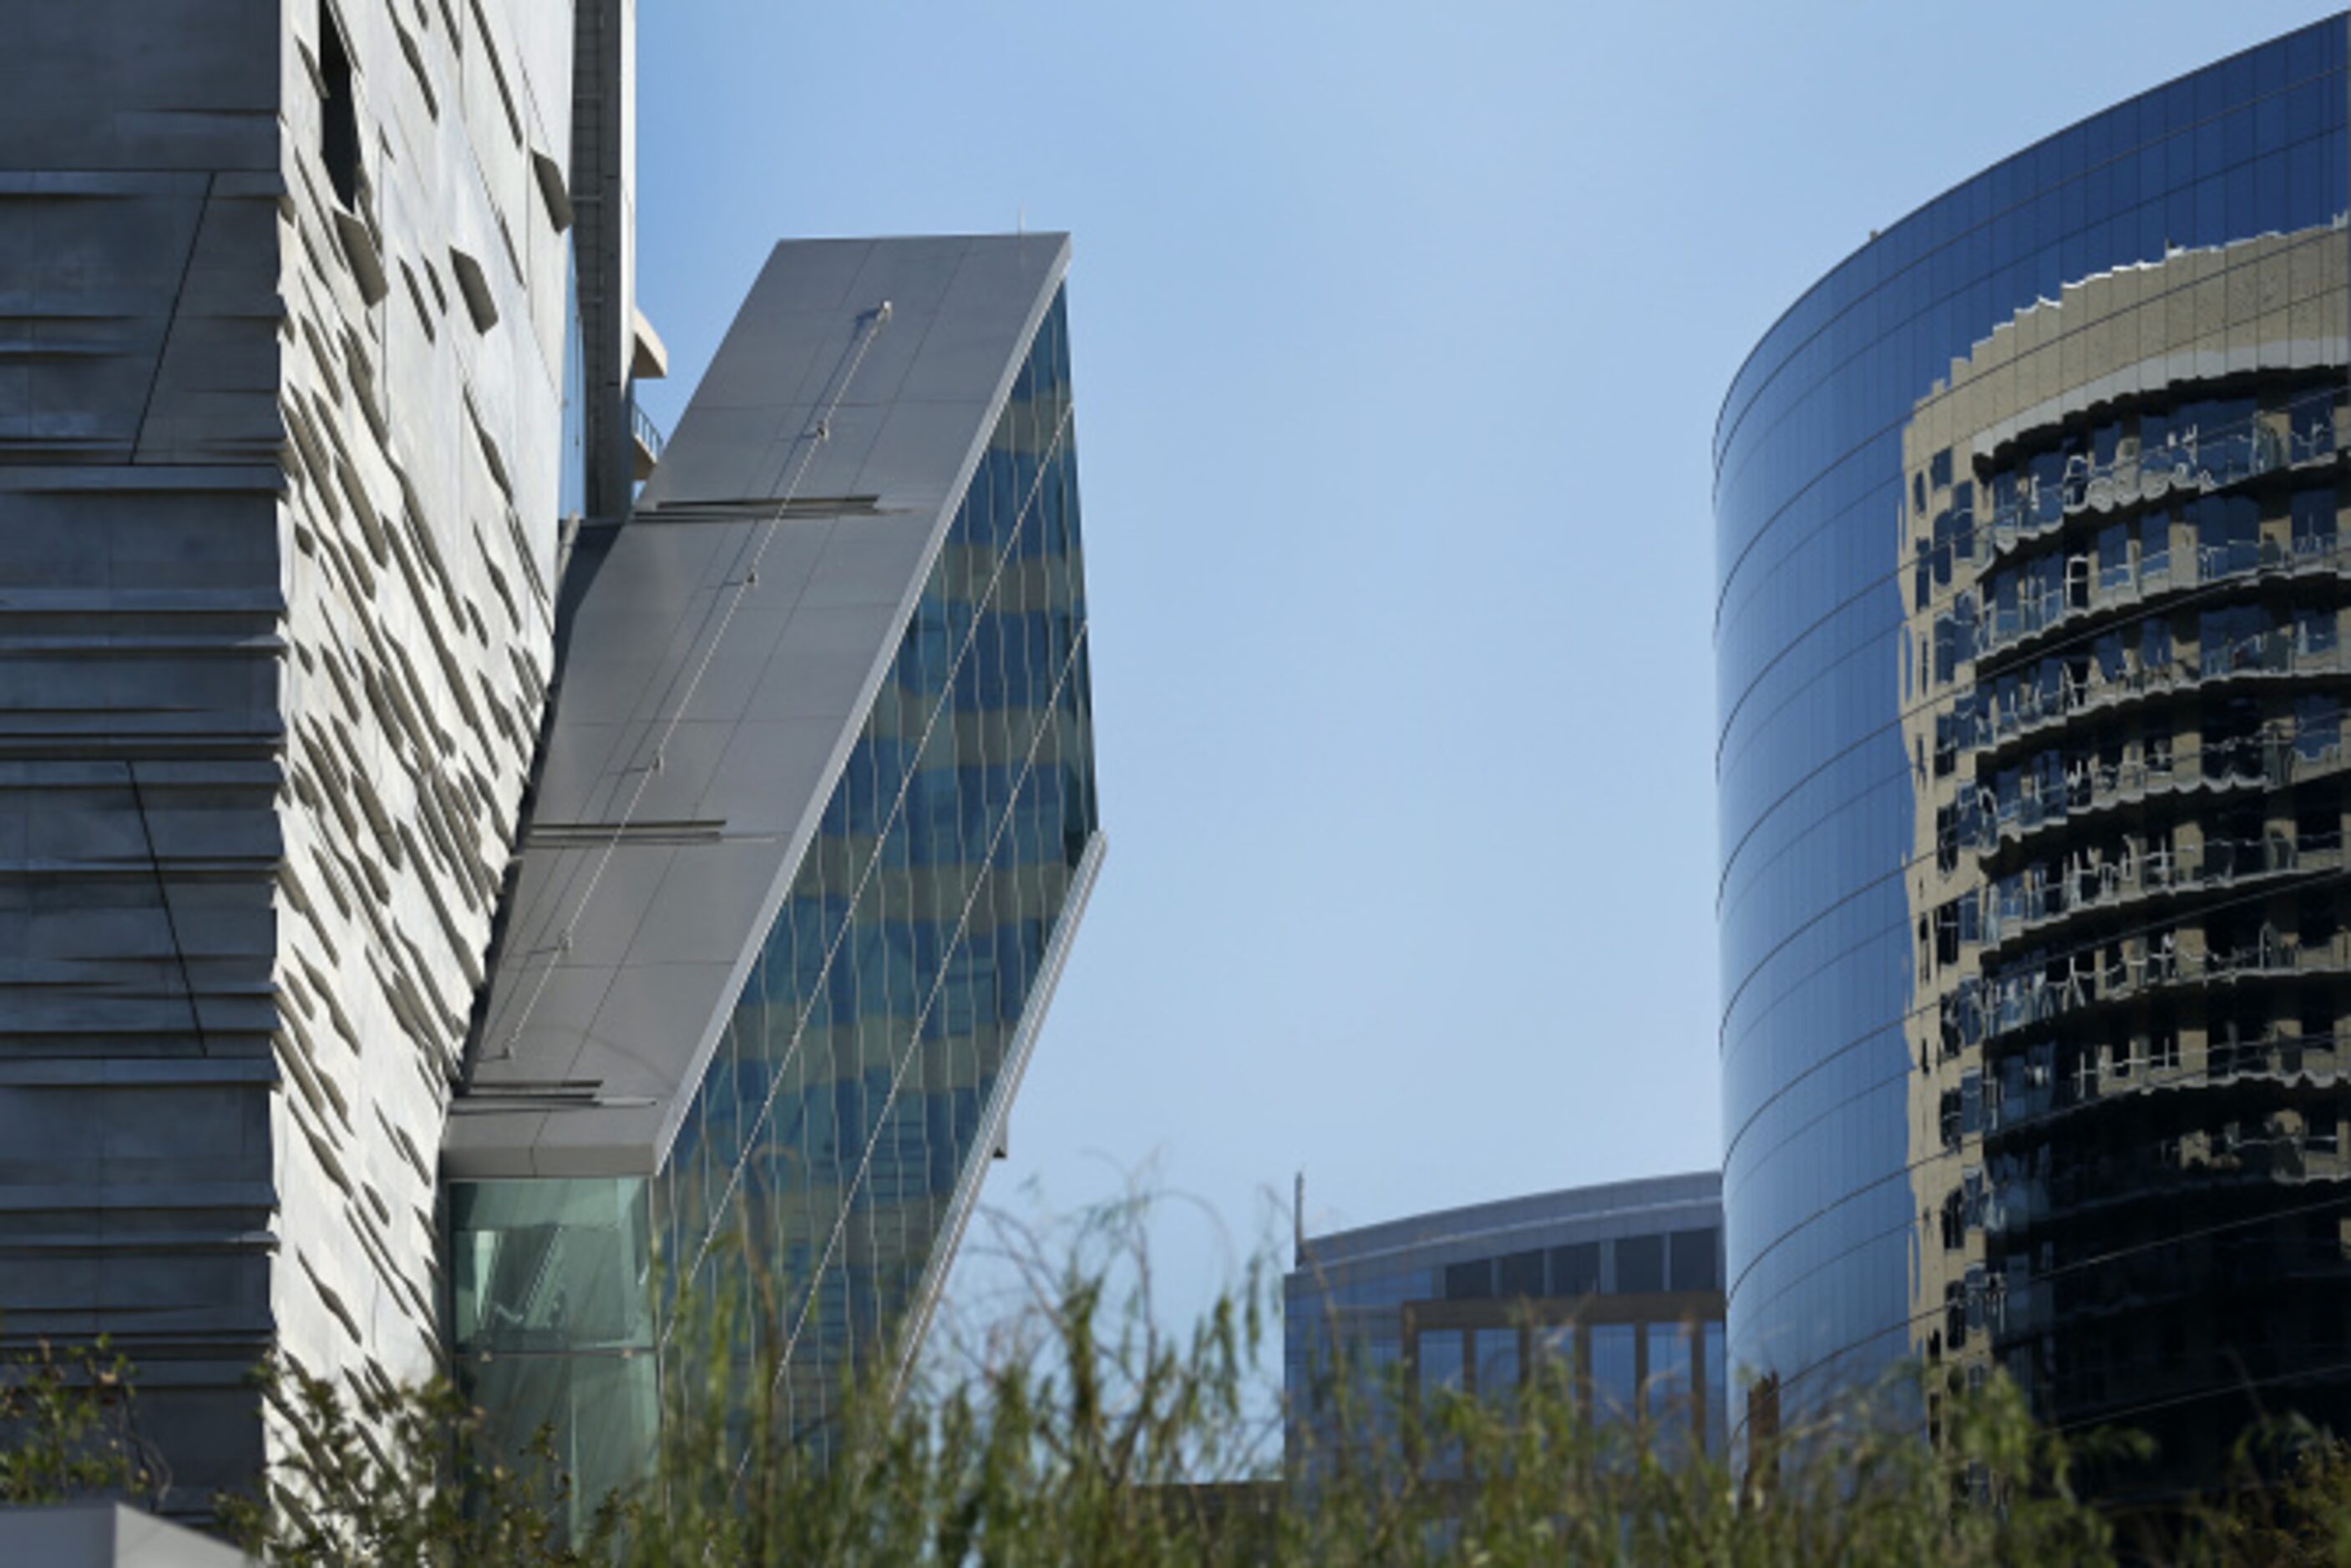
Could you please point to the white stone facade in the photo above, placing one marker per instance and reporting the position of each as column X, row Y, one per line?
column 278, row 525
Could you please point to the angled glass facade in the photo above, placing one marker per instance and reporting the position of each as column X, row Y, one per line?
column 808, row 984
column 863, row 1071
column 2025, row 636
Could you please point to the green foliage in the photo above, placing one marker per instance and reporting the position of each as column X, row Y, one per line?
column 68, row 1428
column 1078, row 1432
column 403, row 1478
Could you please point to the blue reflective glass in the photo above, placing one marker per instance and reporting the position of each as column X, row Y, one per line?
column 840, row 1125
column 1858, row 762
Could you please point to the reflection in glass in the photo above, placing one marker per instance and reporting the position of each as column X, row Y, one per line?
column 838, row 1127
column 1441, row 1361
column 1616, row 1371
column 1666, row 1392
column 1498, row 1365
column 553, row 1319
column 1994, row 500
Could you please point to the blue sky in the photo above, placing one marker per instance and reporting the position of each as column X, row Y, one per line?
column 1399, row 333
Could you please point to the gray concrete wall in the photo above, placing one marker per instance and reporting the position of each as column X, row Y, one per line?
column 278, row 492
column 106, row 1536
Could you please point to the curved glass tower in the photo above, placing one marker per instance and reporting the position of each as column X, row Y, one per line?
column 2031, row 778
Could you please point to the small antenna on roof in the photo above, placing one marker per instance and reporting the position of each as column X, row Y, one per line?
column 1298, row 1223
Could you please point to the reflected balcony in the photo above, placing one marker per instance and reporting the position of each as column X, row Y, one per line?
column 2302, row 435
column 2005, row 637
column 2149, row 882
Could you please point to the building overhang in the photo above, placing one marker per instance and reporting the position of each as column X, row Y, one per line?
column 727, row 642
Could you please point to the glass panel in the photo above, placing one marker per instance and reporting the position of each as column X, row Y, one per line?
column 1440, row 1360
column 1498, row 1366
column 851, row 1097
column 1641, row 1263
column 553, row 1321
column 1717, row 1390
column 1616, row 1374
column 1667, row 1390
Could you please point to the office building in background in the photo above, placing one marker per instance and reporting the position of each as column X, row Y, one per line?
column 2032, row 772
column 1619, row 1285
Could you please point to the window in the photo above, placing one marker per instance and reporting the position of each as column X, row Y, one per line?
column 1498, row 1365
column 1439, row 1370
column 2155, row 547
column 1470, row 1281
column 2313, row 520
column 1575, row 1270
column 1522, row 1274
column 2313, row 630
column 1641, row 1263
column 1695, row 1256
column 2318, row 727
column 1667, row 1391
column 1616, row 1374
column 1440, row 1360
column 2114, row 557
column 1554, row 1346
column 338, row 117
column 1717, row 1392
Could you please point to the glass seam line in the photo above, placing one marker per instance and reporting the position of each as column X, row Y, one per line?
column 2152, row 1079
column 1924, row 260
column 896, row 811
column 2137, row 509
column 914, row 1050
column 1831, row 817
column 1918, row 212
column 897, row 808
column 2239, row 1385
column 914, row 1046
column 1726, row 1045
column 2161, row 599
column 1875, row 1183
column 2183, row 759
column 960, row 1204
column 2103, row 1260
column 1903, row 1020
column 876, row 320
column 2333, row 230
column 2202, row 592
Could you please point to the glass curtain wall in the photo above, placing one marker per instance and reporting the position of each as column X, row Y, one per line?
column 1830, row 765
column 815, row 1172
column 553, row 1325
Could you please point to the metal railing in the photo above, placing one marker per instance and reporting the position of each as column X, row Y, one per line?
column 649, row 434
column 2188, row 459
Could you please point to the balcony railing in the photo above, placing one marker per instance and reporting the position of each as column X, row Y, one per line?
column 2278, row 650
column 2023, row 907
column 1998, row 628
column 649, row 434
column 2189, row 460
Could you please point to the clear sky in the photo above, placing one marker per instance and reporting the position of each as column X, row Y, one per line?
column 1399, row 331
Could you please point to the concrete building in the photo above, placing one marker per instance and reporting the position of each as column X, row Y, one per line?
column 2031, row 768
column 1619, row 1285
column 107, row 1535
column 279, row 439
column 360, row 760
